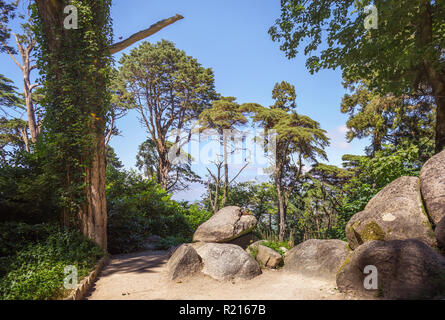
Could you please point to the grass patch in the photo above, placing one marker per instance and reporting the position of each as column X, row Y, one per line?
column 253, row 252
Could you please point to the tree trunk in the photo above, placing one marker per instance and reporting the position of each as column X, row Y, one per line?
column 439, row 94
column 376, row 143
column 32, row 123
column 317, row 223
column 217, row 181
column 26, row 68
column 93, row 216
column 164, row 167
column 226, row 171
column 281, row 211
column 24, row 134
column 164, row 170
column 215, row 200
column 278, row 173
column 435, row 78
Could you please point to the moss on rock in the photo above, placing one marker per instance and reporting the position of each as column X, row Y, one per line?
column 346, row 262
column 372, row 231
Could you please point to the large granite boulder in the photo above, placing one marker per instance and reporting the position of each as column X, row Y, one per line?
column 432, row 182
column 395, row 213
column 440, row 232
column 184, row 262
column 268, row 257
column 317, row 258
column 405, row 269
column 227, row 261
column 225, row 225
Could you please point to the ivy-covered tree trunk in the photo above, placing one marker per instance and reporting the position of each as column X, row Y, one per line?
column 76, row 64
column 76, row 67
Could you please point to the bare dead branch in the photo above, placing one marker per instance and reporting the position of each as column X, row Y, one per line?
column 35, row 85
column 115, row 48
column 239, row 172
column 214, row 178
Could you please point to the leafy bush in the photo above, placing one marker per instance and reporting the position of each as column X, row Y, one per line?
column 27, row 191
column 254, row 252
column 195, row 216
column 35, row 271
column 15, row 236
column 276, row 245
column 171, row 241
column 138, row 208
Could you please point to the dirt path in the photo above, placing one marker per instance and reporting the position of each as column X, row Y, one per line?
column 143, row 276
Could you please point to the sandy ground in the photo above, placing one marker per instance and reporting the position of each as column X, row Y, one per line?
column 143, row 276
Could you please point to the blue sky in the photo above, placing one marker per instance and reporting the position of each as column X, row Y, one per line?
column 231, row 38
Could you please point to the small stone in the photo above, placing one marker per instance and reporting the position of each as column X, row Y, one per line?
column 268, row 257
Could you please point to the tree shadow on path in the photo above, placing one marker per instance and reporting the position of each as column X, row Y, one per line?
column 140, row 262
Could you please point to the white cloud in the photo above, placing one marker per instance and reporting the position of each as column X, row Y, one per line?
column 343, row 129
column 338, row 137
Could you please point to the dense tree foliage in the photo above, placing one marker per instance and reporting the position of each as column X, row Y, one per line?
column 13, row 130
column 7, row 12
column 404, row 53
column 389, row 119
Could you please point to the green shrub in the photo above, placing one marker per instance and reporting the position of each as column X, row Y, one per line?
column 127, row 229
column 36, row 270
column 254, row 252
column 27, row 192
column 276, row 245
column 195, row 216
column 171, row 241
column 15, row 236
column 138, row 208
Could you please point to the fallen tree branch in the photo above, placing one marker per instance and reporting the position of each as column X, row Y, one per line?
column 119, row 46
